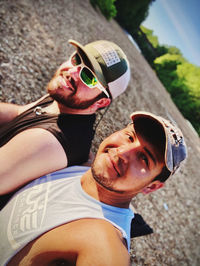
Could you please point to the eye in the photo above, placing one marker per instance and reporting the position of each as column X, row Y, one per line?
column 145, row 159
column 130, row 138
column 128, row 132
column 76, row 60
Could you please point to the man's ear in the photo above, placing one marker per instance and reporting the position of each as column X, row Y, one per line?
column 103, row 102
column 152, row 187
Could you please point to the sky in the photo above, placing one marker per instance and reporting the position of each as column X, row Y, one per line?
column 177, row 23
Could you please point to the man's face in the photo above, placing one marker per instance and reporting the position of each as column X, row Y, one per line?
column 126, row 163
column 67, row 88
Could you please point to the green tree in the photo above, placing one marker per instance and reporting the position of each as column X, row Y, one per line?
column 143, row 37
column 150, row 47
column 182, row 80
column 107, row 7
column 189, row 75
column 153, row 39
column 130, row 14
column 172, row 50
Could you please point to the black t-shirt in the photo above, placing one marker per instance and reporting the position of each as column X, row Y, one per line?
column 74, row 132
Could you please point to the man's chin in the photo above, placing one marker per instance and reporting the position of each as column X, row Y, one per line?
column 68, row 98
column 104, row 182
column 57, row 92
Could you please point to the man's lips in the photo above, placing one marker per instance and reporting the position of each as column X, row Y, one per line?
column 114, row 164
column 66, row 84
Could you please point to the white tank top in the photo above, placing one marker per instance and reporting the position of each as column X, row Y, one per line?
column 48, row 202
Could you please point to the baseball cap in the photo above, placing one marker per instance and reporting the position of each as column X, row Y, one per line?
column 109, row 63
column 175, row 151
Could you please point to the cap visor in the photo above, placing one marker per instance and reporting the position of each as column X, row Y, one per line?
column 168, row 159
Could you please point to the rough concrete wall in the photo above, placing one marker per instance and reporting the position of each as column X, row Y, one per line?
column 33, row 42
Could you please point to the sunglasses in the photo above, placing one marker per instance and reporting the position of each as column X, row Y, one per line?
column 86, row 75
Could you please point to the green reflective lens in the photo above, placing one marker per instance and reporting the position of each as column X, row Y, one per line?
column 85, row 73
column 88, row 78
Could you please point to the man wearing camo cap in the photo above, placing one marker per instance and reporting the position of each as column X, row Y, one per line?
column 57, row 130
column 81, row 215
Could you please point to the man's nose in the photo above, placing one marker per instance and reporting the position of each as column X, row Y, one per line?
column 72, row 71
column 127, row 151
column 75, row 70
column 124, row 152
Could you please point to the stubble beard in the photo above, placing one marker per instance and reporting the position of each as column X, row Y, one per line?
column 103, row 181
column 71, row 101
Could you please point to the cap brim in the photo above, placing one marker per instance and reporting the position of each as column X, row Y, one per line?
column 168, row 158
column 96, row 67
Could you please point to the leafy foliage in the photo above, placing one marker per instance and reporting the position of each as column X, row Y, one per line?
column 150, row 47
column 179, row 77
column 182, row 80
column 107, row 7
column 149, row 34
column 130, row 14
column 143, row 37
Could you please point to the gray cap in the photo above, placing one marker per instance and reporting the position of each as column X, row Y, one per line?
column 175, row 150
column 109, row 63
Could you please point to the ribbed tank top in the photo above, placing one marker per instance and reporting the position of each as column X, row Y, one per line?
column 48, row 202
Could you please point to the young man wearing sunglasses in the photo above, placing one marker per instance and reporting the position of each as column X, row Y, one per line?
column 57, row 130
column 81, row 215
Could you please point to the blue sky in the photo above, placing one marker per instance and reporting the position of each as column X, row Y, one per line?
column 177, row 23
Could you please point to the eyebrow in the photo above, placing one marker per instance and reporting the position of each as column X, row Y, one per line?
column 150, row 154
column 130, row 125
column 145, row 148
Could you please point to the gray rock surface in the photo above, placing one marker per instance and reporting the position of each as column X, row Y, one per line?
column 34, row 41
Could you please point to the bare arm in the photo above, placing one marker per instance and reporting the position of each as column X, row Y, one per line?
column 8, row 112
column 103, row 245
column 29, row 155
column 83, row 242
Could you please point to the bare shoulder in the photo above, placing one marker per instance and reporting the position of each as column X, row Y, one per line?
column 82, row 242
column 103, row 244
column 23, row 108
column 31, row 154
